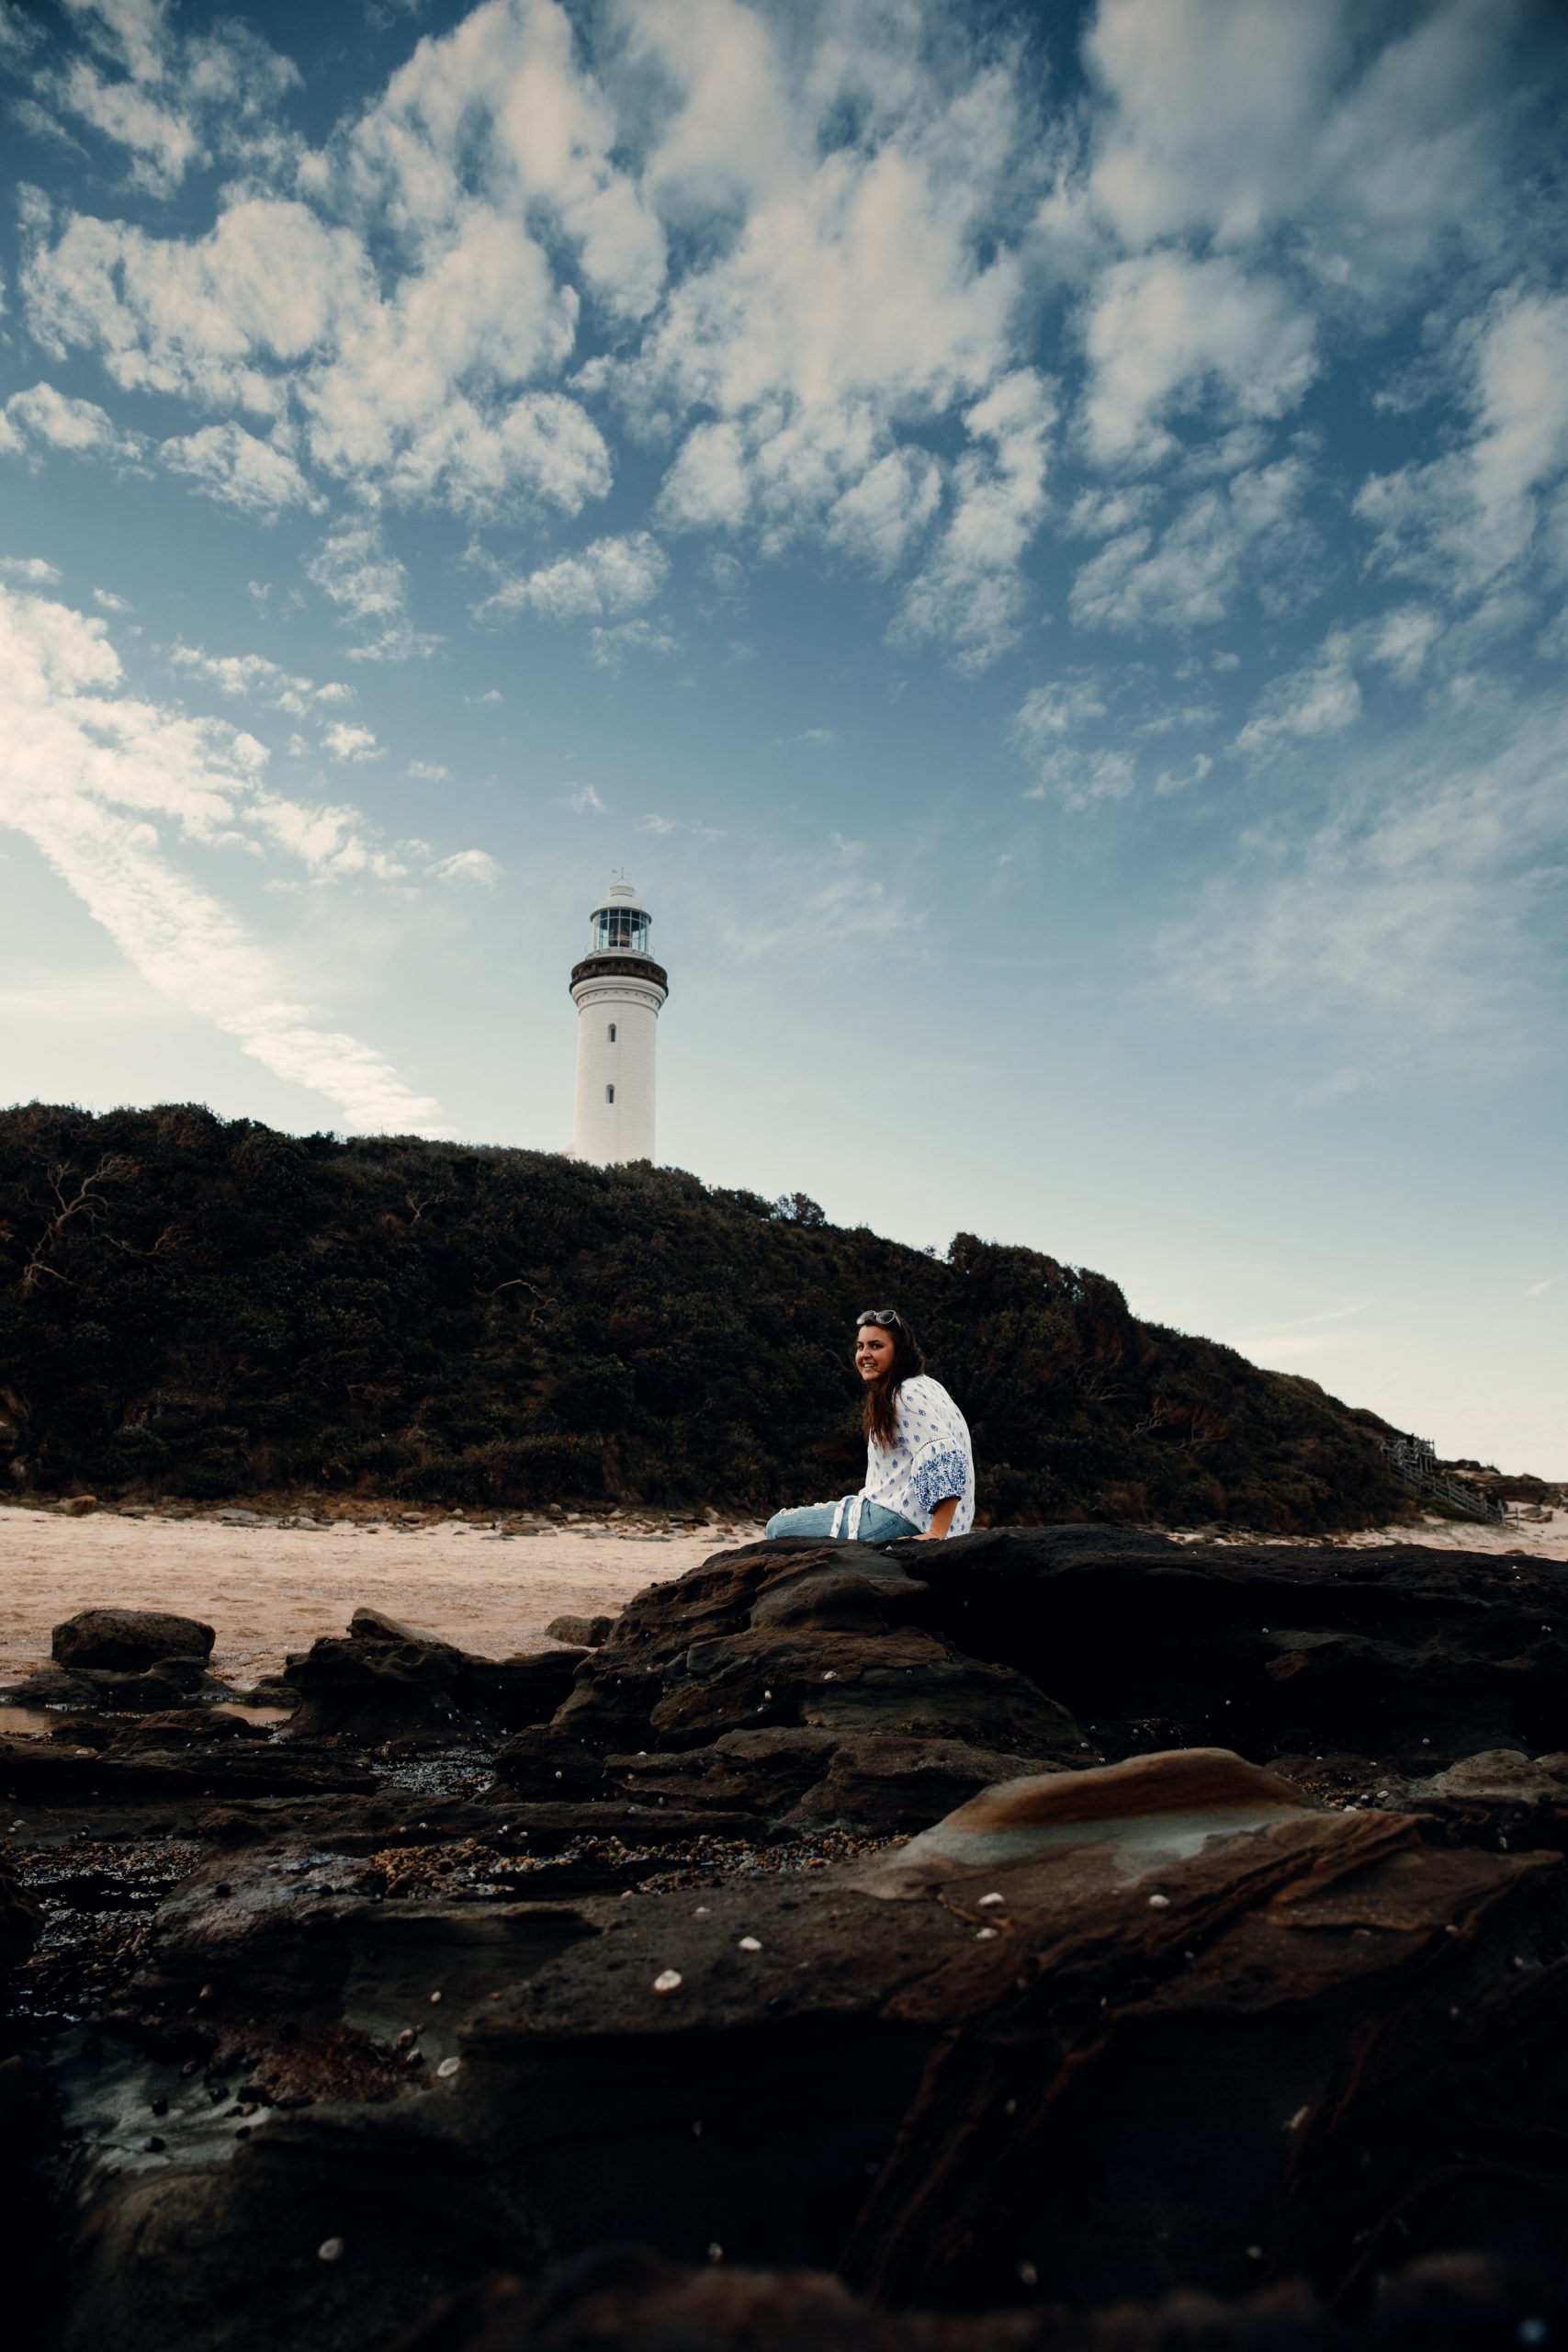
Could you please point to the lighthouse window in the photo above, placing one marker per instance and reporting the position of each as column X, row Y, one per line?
column 621, row 927
column 609, row 1094
column 612, row 1033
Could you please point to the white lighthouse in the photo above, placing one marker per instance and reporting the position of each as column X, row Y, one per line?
column 617, row 990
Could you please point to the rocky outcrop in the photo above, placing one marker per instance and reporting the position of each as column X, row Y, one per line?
column 388, row 1680
column 1156, row 2027
column 626, row 2300
column 790, row 1683
column 807, row 1941
column 128, row 1641
column 1400, row 1651
column 20, row 1920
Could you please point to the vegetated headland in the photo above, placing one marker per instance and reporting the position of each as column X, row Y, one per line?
column 205, row 1308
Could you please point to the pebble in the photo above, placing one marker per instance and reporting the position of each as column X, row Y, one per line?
column 749, row 1943
column 330, row 2250
column 669, row 1980
column 1159, row 1903
column 985, row 1900
column 987, row 1934
column 435, row 1997
column 1028, row 2275
column 449, row 2067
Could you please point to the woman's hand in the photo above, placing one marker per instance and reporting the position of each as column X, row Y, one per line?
column 941, row 1519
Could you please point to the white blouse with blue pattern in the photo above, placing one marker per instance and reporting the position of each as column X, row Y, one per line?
column 929, row 1459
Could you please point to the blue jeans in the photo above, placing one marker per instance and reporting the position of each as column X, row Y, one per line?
column 877, row 1524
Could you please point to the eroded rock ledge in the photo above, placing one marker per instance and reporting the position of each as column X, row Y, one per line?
column 933, row 1947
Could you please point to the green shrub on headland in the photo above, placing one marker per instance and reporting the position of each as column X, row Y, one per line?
column 195, row 1306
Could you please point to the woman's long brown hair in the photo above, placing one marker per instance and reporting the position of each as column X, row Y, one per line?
column 881, row 1416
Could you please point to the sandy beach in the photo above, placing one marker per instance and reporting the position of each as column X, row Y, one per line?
column 267, row 1590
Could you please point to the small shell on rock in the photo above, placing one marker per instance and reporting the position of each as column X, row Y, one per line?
column 1159, row 1903
column 669, row 1980
column 987, row 1900
column 749, row 1943
column 1028, row 2275
column 448, row 2066
column 435, row 1997
column 987, row 1934
column 703, row 1911
column 330, row 2250
column 715, row 2252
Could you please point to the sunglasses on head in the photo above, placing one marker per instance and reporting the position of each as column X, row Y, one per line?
column 885, row 1315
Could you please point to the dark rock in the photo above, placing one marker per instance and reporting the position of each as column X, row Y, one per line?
column 786, row 1681
column 51, row 1772
column 627, row 2300
column 886, row 1783
column 385, row 1679
column 182, row 1727
column 128, row 1640
column 379, row 1679
column 516, row 1691
column 1206, row 2015
column 20, row 1923
column 580, row 1633
column 1269, row 1647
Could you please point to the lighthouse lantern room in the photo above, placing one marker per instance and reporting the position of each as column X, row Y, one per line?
column 617, row 990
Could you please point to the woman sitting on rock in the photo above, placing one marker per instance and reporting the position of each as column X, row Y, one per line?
column 919, row 1467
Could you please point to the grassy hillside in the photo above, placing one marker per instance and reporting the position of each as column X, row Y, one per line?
column 195, row 1306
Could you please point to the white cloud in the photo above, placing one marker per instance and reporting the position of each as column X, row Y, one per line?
column 585, row 801
column 1192, row 573
column 85, row 769
column 29, row 571
column 475, row 865
column 1047, row 713
column 1320, row 697
column 1171, row 722
column 253, row 676
column 261, row 477
column 371, row 588
column 609, row 647
column 881, row 516
column 708, row 487
column 972, row 594
column 1165, row 329
column 1182, row 779
column 44, row 418
column 1042, row 730
column 1402, row 639
column 1380, row 138
column 1098, row 514
column 501, row 108
column 346, row 742
column 427, row 772
column 182, row 96
column 108, row 601
column 215, row 319
column 829, row 902
column 1405, row 890
column 1465, row 519
column 612, row 575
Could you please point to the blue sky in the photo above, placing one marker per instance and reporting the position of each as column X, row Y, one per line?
column 1038, row 538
